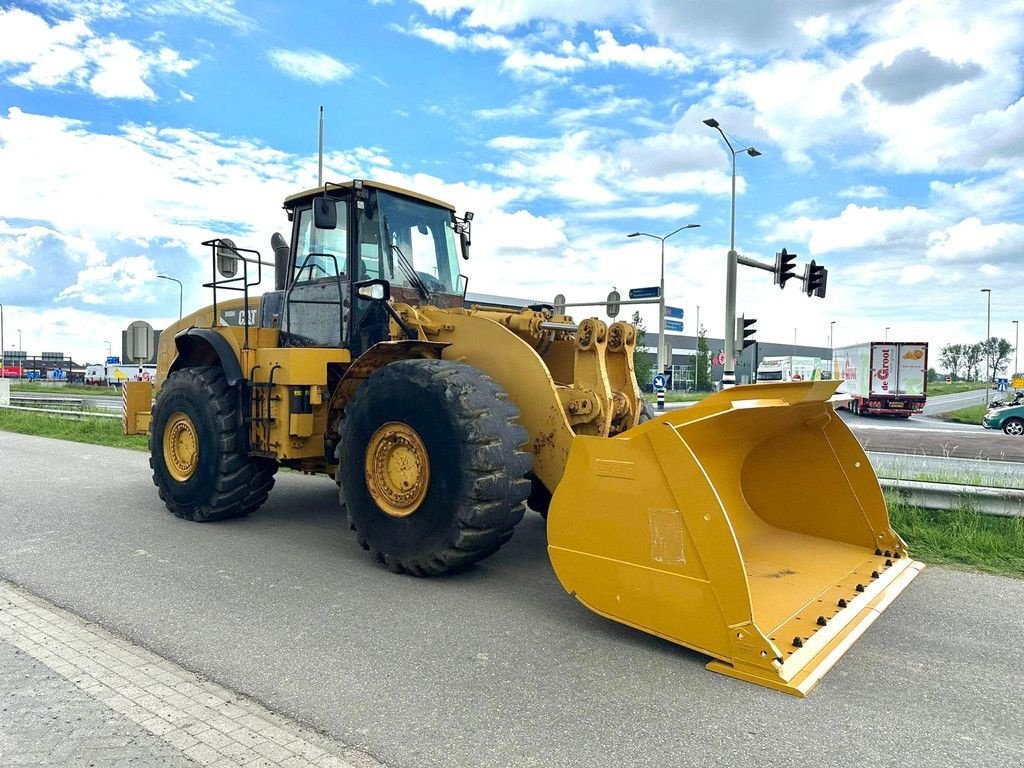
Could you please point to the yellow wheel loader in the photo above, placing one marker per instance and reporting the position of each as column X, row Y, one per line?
column 440, row 420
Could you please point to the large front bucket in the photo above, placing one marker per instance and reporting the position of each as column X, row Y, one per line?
column 749, row 527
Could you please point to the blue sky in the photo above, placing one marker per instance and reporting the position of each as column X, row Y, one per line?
column 891, row 134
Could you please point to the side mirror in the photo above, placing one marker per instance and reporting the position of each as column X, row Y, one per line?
column 464, row 237
column 373, row 290
column 325, row 213
column 227, row 258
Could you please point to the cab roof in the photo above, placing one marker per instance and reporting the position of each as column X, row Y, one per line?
column 299, row 197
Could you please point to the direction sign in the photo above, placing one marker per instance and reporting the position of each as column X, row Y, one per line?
column 676, row 312
column 645, row 293
column 674, row 325
column 1002, row 385
column 658, row 381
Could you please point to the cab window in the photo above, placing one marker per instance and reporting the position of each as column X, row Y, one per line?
column 321, row 253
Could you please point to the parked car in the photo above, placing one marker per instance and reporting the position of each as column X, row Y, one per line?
column 1009, row 418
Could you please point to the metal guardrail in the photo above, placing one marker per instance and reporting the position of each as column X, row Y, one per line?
column 1002, row 502
column 59, row 412
column 73, row 406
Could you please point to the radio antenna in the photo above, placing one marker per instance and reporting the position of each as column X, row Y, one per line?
column 320, row 154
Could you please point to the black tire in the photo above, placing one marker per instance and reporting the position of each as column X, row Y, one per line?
column 476, row 484
column 540, row 497
column 224, row 481
column 1013, row 427
column 646, row 412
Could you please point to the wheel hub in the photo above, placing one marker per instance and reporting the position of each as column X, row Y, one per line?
column 397, row 469
column 181, row 447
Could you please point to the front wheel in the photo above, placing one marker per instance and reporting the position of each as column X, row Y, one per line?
column 430, row 466
column 197, row 452
column 1013, row 426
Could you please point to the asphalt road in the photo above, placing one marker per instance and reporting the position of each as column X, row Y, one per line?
column 496, row 666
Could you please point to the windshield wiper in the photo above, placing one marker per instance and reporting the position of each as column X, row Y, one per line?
column 405, row 264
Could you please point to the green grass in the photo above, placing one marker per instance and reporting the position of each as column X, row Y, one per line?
column 961, row 537
column 942, row 388
column 79, row 430
column 677, row 397
column 970, row 415
column 59, row 390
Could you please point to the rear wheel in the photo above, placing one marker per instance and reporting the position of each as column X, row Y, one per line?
column 430, row 466
column 1014, row 426
column 197, row 453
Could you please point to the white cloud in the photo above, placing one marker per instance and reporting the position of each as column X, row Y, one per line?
column 863, row 192
column 971, row 240
column 221, row 12
column 314, row 66
column 652, row 58
column 34, row 54
column 122, row 281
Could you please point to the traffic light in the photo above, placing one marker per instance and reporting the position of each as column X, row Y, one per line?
column 745, row 331
column 785, row 266
column 815, row 280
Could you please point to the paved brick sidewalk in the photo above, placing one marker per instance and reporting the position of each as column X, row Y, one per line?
column 73, row 694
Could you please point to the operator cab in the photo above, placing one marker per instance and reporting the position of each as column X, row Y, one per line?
column 346, row 234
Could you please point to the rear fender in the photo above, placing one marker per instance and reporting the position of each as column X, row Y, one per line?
column 204, row 346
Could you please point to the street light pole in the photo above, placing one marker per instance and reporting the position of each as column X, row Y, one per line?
column 21, row 357
column 180, row 291
column 3, row 353
column 988, row 335
column 729, row 374
column 661, row 302
column 886, row 333
column 1016, row 341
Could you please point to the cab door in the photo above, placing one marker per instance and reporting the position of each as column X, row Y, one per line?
column 317, row 303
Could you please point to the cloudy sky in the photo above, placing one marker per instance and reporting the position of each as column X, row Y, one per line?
column 891, row 134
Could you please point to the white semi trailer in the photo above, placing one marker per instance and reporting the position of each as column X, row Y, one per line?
column 887, row 377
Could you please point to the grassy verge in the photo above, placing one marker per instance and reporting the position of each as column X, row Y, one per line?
column 58, row 390
column 82, row 430
column 677, row 397
column 942, row 388
column 969, row 415
column 961, row 537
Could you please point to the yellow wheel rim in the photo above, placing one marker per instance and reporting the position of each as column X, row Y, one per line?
column 397, row 469
column 181, row 447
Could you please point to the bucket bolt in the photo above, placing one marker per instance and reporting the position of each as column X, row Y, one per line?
column 822, row 621
column 888, row 563
column 860, row 587
column 874, row 574
column 798, row 642
column 888, row 553
column 842, row 602
column 878, row 552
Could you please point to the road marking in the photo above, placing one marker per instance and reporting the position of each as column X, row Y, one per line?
column 204, row 721
column 931, row 430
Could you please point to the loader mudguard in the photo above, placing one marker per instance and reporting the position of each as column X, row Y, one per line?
column 204, row 346
column 749, row 527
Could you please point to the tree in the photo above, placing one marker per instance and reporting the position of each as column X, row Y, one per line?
column 703, row 361
column 952, row 358
column 997, row 352
column 643, row 365
column 973, row 355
